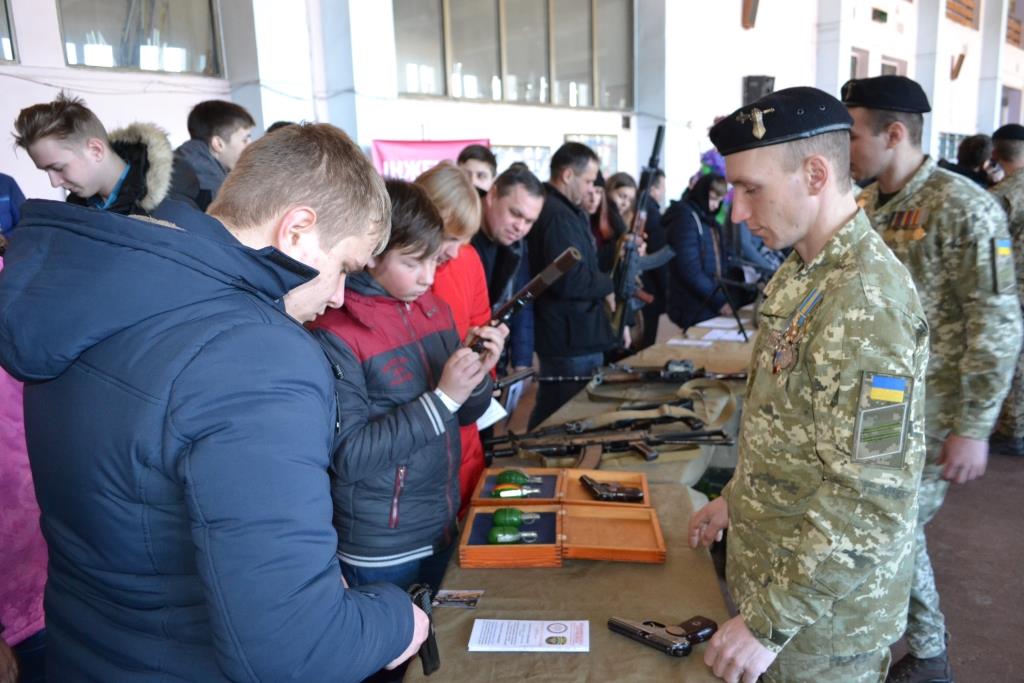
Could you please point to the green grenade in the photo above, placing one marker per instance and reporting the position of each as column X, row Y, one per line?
column 514, row 517
column 516, row 477
column 504, row 535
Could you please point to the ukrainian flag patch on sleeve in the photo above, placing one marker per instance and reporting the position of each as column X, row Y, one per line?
column 1003, row 280
column 887, row 388
column 883, row 418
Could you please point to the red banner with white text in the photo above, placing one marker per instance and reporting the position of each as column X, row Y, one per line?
column 406, row 159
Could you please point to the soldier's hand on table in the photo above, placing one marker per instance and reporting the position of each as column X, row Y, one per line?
column 735, row 655
column 420, row 630
column 708, row 523
column 963, row 459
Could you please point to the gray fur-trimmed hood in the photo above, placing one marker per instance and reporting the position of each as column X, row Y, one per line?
column 148, row 138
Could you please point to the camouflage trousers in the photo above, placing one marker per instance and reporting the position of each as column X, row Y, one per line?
column 797, row 667
column 926, row 627
column 1011, row 417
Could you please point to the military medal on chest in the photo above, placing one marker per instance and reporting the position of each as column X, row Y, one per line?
column 905, row 226
column 784, row 344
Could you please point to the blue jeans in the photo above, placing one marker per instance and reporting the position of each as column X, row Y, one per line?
column 551, row 397
column 428, row 570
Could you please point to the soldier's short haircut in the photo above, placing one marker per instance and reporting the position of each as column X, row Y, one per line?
column 518, row 174
column 974, row 150
column 310, row 164
column 1010, row 151
column 416, row 225
column 834, row 146
column 455, row 198
column 65, row 118
column 479, row 153
column 881, row 119
column 217, row 117
column 574, row 155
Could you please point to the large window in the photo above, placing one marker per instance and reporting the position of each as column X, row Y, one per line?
column 475, row 66
column 963, row 12
column 6, row 37
column 151, row 35
column 572, row 53
column 420, row 52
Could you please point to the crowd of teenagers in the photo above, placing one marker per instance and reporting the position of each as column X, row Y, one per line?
column 243, row 378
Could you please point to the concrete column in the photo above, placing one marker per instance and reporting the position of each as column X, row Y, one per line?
column 994, row 16
column 269, row 59
column 834, row 44
column 932, row 63
column 651, row 83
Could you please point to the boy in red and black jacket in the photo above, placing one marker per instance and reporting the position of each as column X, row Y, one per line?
column 405, row 384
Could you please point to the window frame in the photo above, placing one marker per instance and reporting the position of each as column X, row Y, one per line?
column 15, row 56
column 217, row 44
column 595, row 80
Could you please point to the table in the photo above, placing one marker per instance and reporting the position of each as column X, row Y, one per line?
column 683, row 587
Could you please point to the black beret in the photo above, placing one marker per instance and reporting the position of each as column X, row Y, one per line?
column 782, row 116
column 893, row 93
column 1011, row 131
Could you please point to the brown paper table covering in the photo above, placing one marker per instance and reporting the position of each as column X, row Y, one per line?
column 683, row 587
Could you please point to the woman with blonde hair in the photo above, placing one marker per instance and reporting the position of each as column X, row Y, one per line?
column 460, row 282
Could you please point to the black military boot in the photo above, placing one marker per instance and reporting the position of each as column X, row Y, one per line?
column 910, row 669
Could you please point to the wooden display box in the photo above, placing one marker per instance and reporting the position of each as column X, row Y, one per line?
column 551, row 487
column 604, row 532
column 585, row 532
column 574, row 493
column 475, row 551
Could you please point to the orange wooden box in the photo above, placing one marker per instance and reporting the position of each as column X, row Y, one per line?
column 585, row 532
column 605, row 532
column 574, row 493
column 551, row 485
column 475, row 551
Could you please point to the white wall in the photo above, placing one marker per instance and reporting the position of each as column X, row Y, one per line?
column 117, row 97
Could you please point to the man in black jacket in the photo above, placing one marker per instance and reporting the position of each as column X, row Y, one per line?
column 572, row 330
column 510, row 209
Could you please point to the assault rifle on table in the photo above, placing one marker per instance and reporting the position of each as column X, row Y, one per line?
column 533, row 289
column 629, row 297
column 674, row 371
column 631, row 419
column 641, row 440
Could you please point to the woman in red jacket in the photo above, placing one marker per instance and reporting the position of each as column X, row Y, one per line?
column 460, row 282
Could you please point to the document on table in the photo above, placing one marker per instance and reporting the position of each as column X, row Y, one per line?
column 514, row 635
column 719, row 323
column 683, row 341
column 725, row 335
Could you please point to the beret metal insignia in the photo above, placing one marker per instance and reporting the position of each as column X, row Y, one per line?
column 757, row 116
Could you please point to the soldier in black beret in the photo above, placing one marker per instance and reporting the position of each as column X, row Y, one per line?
column 953, row 238
column 820, row 513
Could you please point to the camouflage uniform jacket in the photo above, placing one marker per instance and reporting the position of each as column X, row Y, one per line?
column 820, row 528
column 952, row 236
column 1010, row 193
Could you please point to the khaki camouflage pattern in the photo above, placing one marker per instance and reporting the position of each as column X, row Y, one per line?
column 975, row 330
column 820, row 545
column 926, row 626
column 870, row 667
column 1010, row 192
column 975, row 323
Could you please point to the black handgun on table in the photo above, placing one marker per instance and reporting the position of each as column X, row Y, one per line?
column 677, row 640
column 612, row 491
column 430, row 657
